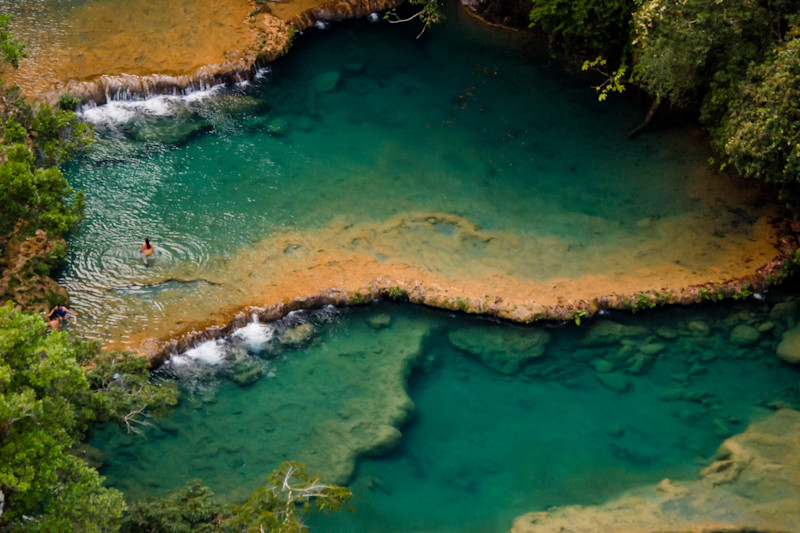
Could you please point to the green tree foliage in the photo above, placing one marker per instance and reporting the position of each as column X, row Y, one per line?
column 277, row 507
column 290, row 492
column 11, row 49
column 47, row 402
column 584, row 27
column 191, row 509
column 760, row 134
column 679, row 45
column 40, row 197
column 33, row 192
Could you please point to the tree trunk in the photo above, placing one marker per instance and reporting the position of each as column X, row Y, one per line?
column 650, row 114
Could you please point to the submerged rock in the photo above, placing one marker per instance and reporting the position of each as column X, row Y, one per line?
column 502, row 351
column 359, row 398
column 640, row 364
column 784, row 313
column 91, row 455
column 379, row 321
column 278, row 127
column 602, row 366
column 698, row 328
column 766, row 327
column 789, row 347
column 305, row 124
column 168, row 131
column 754, row 485
column 744, row 335
column 667, row 333
column 652, row 348
column 616, row 381
column 246, row 372
column 325, row 82
column 297, row 336
column 605, row 332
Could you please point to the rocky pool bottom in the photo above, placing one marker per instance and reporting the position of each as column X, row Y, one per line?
column 443, row 422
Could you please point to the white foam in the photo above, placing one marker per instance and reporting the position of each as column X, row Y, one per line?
column 321, row 25
column 255, row 336
column 373, row 17
column 209, row 353
column 261, row 72
column 124, row 110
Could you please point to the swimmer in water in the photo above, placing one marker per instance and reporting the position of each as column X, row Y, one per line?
column 147, row 249
column 57, row 315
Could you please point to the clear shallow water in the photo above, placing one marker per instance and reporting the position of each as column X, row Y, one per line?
column 362, row 123
column 481, row 446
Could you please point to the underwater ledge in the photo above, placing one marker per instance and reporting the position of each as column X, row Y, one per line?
column 440, row 293
column 753, row 485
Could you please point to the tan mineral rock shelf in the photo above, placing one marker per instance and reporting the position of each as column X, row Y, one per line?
column 150, row 46
column 443, row 260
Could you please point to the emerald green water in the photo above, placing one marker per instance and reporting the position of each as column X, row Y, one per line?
column 356, row 125
column 361, row 123
column 480, row 447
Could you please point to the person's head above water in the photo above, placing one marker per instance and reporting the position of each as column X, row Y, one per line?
column 147, row 242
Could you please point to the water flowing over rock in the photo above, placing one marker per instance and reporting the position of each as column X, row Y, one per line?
column 753, row 485
column 298, row 335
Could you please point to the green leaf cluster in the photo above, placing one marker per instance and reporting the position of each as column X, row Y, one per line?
column 584, row 27
column 191, row 509
column 36, row 197
column 736, row 61
column 11, row 49
column 279, row 505
column 679, row 45
column 48, row 399
column 760, row 133
column 34, row 139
